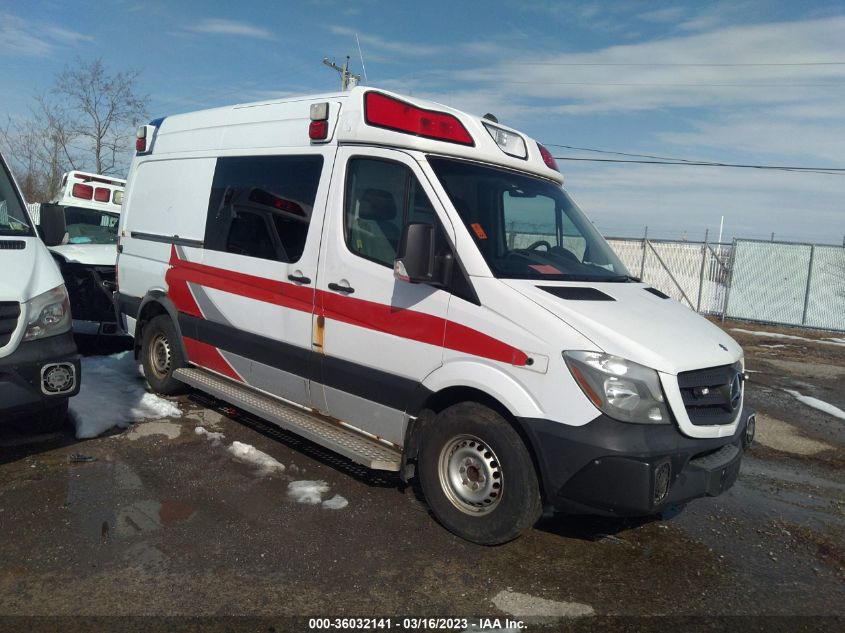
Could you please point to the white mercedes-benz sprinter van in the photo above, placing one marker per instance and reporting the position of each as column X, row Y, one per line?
column 409, row 286
column 39, row 366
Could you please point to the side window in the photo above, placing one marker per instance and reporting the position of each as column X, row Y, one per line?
column 249, row 235
column 381, row 196
column 260, row 206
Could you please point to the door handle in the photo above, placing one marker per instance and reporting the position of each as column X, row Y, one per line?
column 299, row 279
column 347, row 290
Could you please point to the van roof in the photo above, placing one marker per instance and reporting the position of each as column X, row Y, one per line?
column 363, row 116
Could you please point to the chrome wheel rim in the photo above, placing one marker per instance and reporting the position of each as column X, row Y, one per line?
column 160, row 355
column 470, row 475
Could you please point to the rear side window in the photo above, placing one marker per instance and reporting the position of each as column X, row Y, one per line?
column 260, row 206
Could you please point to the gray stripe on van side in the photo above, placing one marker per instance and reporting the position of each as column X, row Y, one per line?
column 274, row 381
column 209, row 310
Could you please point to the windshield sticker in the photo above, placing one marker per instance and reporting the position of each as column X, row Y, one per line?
column 545, row 269
column 479, row 231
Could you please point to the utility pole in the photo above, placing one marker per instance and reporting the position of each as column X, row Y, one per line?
column 348, row 80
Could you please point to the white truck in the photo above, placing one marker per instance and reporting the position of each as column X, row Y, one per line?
column 408, row 285
column 39, row 364
column 91, row 204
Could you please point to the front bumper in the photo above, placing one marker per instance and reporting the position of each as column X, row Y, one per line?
column 22, row 375
column 620, row 469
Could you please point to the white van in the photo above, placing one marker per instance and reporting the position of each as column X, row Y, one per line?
column 409, row 286
column 91, row 204
column 39, row 366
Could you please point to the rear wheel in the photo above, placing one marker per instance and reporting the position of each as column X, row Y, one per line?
column 161, row 355
column 477, row 475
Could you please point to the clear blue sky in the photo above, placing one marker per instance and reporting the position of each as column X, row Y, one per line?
column 748, row 82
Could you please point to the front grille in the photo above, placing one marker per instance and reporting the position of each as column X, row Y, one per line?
column 9, row 313
column 12, row 245
column 712, row 396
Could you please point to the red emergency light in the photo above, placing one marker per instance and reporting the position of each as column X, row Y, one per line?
column 101, row 194
column 550, row 161
column 86, row 192
column 393, row 114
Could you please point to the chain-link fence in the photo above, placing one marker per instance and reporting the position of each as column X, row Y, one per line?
column 792, row 284
column 782, row 283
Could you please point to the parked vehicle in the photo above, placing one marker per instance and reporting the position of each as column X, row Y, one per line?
column 91, row 204
column 39, row 366
column 353, row 268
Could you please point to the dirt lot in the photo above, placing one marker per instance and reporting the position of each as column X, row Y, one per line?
column 161, row 520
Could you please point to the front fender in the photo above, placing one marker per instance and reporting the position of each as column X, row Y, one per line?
column 487, row 378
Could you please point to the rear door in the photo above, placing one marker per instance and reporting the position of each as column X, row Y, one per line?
column 253, row 285
column 380, row 337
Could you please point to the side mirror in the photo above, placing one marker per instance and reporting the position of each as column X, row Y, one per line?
column 52, row 224
column 415, row 259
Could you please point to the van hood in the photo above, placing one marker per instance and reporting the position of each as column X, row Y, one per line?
column 90, row 254
column 638, row 325
column 27, row 272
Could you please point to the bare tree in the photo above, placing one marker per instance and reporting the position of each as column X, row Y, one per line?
column 86, row 121
column 101, row 111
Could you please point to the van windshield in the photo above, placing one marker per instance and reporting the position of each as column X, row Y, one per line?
column 526, row 227
column 88, row 226
column 13, row 219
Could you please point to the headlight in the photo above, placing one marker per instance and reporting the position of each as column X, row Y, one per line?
column 47, row 314
column 622, row 389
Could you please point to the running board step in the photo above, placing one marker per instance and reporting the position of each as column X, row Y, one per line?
column 357, row 447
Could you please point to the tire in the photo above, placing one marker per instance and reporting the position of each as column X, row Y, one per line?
column 49, row 420
column 496, row 497
column 161, row 355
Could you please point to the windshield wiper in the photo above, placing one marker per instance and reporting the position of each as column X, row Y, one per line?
column 617, row 279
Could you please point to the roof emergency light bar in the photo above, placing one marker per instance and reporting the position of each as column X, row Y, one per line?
column 392, row 114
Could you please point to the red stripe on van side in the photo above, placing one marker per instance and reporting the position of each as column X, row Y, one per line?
column 208, row 356
column 267, row 290
column 404, row 323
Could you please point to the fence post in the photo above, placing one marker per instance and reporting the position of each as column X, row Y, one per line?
column 731, row 262
column 701, row 276
column 807, row 291
column 642, row 263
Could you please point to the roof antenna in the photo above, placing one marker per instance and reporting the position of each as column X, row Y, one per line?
column 361, row 55
column 348, row 80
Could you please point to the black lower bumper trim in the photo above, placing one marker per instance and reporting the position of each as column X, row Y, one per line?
column 619, row 469
column 20, row 375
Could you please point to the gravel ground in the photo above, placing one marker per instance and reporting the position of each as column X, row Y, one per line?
column 162, row 520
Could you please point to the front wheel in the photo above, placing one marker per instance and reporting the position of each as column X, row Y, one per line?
column 161, row 355
column 477, row 475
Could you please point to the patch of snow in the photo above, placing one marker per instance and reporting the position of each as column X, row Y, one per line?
column 525, row 606
column 335, row 503
column 826, row 341
column 214, row 437
column 113, row 393
column 775, row 346
column 308, row 492
column 821, row 405
column 248, row 454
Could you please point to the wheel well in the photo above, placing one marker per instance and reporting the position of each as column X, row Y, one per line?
column 444, row 399
column 148, row 312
